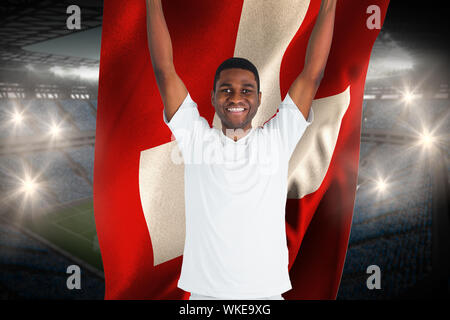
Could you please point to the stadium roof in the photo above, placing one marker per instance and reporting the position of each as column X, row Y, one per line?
column 26, row 28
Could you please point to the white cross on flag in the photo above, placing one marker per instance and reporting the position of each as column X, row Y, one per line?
column 139, row 192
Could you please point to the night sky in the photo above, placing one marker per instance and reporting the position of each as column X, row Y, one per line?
column 418, row 26
column 423, row 29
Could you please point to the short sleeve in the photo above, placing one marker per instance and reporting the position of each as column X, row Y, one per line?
column 184, row 124
column 187, row 111
column 289, row 124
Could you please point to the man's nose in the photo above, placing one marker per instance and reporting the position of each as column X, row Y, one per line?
column 236, row 97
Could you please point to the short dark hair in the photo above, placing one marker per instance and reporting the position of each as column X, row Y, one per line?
column 236, row 62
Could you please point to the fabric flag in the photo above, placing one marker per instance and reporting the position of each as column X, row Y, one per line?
column 139, row 192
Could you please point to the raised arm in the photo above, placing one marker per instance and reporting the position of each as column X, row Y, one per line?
column 171, row 87
column 304, row 88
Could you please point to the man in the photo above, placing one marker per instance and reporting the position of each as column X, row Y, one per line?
column 236, row 177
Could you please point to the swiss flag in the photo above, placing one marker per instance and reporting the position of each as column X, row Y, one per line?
column 139, row 192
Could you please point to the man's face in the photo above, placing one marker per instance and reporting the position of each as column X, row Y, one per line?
column 236, row 88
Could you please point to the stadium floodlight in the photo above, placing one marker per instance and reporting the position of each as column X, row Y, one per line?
column 17, row 117
column 427, row 139
column 381, row 185
column 29, row 186
column 408, row 97
column 55, row 130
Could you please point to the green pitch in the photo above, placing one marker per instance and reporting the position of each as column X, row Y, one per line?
column 71, row 229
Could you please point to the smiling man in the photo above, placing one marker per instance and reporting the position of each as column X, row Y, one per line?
column 236, row 188
column 236, row 96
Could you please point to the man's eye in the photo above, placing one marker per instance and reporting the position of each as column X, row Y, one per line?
column 245, row 91
column 226, row 90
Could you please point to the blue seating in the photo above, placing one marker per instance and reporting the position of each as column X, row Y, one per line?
column 380, row 114
column 31, row 270
column 84, row 155
column 46, row 114
column 81, row 113
column 365, row 148
column 403, row 259
column 94, row 103
column 390, row 229
column 60, row 177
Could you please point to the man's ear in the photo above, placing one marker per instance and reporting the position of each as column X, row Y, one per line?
column 212, row 97
column 259, row 95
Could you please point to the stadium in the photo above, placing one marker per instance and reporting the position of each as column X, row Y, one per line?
column 48, row 109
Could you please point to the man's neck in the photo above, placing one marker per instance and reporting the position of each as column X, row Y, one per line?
column 236, row 134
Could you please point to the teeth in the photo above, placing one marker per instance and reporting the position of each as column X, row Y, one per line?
column 235, row 109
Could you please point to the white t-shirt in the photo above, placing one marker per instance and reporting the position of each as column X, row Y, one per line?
column 235, row 200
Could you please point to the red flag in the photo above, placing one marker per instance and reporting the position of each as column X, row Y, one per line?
column 138, row 197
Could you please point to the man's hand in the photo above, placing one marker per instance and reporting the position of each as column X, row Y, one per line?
column 171, row 87
column 304, row 88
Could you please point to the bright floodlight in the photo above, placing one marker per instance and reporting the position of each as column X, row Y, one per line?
column 408, row 97
column 55, row 130
column 426, row 139
column 381, row 185
column 29, row 186
column 17, row 117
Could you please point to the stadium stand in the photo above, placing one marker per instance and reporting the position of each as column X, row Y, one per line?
column 94, row 103
column 390, row 229
column 81, row 113
column 381, row 114
column 365, row 148
column 426, row 113
column 32, row 270
column 60, row 177
column 84, row 156
column 404, row 261
column 44, row 113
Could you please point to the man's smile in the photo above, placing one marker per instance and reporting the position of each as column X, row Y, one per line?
column 236, row 110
